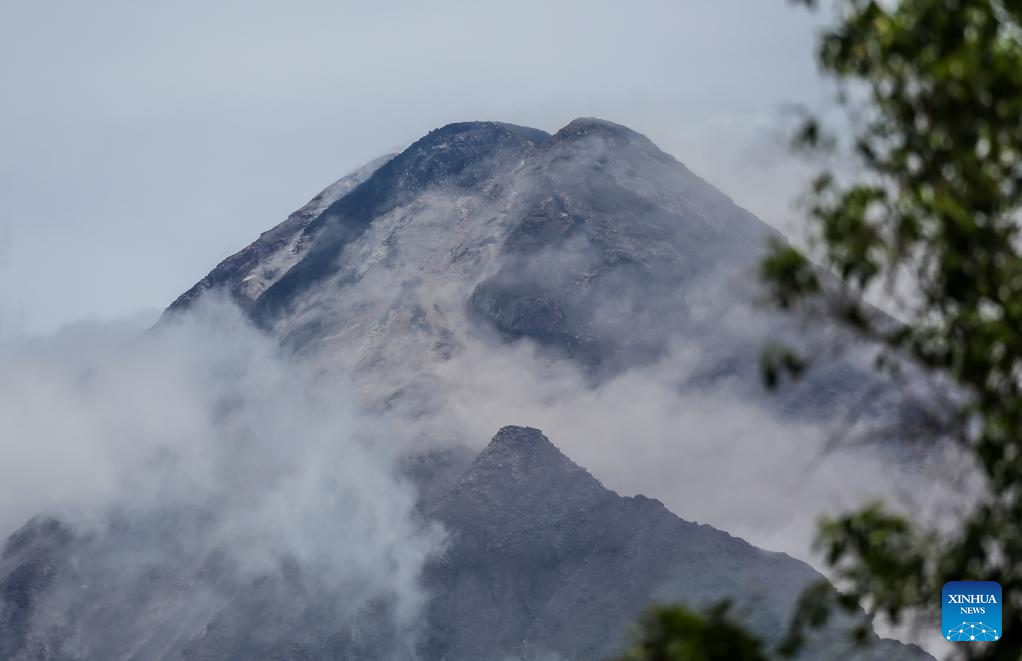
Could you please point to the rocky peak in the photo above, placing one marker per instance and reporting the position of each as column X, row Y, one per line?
column 583, row 126
column 481, row 129
column 521, row 449
column 615, row 136
column 523, row 454
column 521, row 467
column 545, row 562
column 447, row 152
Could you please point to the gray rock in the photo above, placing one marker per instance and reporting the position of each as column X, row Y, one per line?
column 544, row 562
column 591, row 243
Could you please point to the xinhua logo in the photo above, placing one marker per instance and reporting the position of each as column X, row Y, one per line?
column 971, row 610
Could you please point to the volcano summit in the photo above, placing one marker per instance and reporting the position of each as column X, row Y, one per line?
column 488, row 277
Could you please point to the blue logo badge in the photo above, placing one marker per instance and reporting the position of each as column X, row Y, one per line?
column 971, row 610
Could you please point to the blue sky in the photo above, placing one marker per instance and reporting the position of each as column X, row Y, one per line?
column 140, row 143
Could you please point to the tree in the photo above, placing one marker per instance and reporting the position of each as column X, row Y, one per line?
column 674, row 633
column 935, row 91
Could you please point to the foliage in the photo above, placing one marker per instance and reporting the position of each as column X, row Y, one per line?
column 935, row 90
column 674, row 633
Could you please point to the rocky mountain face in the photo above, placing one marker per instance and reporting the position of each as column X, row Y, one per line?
column 583, row 241
column 590, row 245
column 547, row 563
column 543, row 563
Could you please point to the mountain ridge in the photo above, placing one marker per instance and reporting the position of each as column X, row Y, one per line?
column 542, row 560
column 437, row 159
column 619, row 213
column 570, row 260
column 546, row 560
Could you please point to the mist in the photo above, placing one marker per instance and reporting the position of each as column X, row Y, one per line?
column 249, row 468
column 202, row 438
column 679, row 414
column 713, row 455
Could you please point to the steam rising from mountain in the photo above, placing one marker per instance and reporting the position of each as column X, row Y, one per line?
column 584, row 282
column 295, row 425
column 202, row 437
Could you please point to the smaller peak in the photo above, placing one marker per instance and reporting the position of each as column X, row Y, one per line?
column 588, row 125
column 619, row 137
column 515, row 435
column 521, row 447
column 522, row 466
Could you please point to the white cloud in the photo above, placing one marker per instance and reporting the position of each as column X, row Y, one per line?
column 207, row 415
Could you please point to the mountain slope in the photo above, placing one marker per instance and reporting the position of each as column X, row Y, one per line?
column 542, row 560
column 248, row 273
column 579, row 241
column 547, row 560
column 488, row 273
column 592, row 244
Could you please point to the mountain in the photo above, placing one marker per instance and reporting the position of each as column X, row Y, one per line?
column 488, row 274
column 548, row 561
column 591, row 243
column 541, row 233
column 543, row 563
